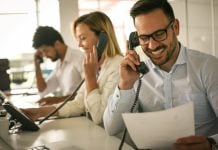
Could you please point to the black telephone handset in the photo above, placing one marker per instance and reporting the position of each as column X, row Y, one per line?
column 133, row 42
column 39, row 59
column 101, row 43
column 18, row 116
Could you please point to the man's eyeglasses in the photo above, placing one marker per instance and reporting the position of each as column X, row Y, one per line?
column 158, row 35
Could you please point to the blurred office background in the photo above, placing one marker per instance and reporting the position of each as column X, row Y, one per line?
column 20, row 18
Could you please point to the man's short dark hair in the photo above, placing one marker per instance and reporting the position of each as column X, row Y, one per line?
column 146, row 6
column 46, row 35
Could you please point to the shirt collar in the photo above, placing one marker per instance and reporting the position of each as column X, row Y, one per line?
column 182, row 56
column 67, row 57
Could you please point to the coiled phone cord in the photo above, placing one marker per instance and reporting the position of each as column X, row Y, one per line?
column 131, row 110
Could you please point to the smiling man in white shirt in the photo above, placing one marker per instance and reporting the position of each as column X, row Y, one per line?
column 68, row 72
column 177, row 76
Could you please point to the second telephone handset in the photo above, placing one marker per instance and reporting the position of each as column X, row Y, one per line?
column 103, row 39
column 134, row 42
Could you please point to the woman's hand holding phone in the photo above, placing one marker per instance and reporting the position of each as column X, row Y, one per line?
column 91, row 66
column 91, row 62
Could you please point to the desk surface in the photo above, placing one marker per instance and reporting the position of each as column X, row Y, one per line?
column 78, row 133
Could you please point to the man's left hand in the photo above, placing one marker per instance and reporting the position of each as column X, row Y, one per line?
column 192, row 143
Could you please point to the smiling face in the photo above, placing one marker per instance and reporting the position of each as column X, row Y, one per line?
column 86, row 38
column 162, row 52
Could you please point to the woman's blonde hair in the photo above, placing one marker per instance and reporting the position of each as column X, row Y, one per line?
column 99, row 22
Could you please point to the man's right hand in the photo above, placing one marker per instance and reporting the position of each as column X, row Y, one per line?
column 49, row 101
column 128, row 73
column 37, row 57
column 36, row 113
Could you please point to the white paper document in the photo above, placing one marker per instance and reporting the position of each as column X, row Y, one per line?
column 160, row 129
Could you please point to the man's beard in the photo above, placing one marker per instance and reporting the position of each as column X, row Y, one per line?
column 169, row 53
column 55, row 58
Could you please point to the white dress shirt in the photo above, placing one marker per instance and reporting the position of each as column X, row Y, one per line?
column 67, row 75
column 194, row 77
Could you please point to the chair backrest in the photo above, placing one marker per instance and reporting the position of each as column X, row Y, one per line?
column 4, row 76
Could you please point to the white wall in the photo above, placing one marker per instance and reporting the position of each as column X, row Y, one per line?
column 68, row 13
column 199, row 26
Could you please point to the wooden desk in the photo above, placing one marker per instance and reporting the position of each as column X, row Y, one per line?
column 78, row 133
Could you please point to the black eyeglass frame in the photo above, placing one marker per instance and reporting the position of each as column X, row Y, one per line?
column 144, row 39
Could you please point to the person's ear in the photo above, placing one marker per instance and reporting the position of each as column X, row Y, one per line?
column 176, row 27
column 57, row 44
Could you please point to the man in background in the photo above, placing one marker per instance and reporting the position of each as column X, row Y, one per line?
column 68, row 71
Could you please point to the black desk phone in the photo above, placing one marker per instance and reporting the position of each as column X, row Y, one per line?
column 17, row 115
